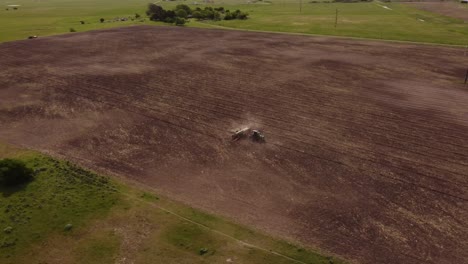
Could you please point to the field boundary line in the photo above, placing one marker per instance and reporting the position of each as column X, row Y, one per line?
column 333, row 36
column 208, row 26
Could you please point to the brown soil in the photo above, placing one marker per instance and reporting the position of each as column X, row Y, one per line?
column 447, row 8
column 367, row 142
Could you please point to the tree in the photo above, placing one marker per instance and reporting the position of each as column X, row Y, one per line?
column 186, row 8
column 242, row 15
column 14, row 172
column 207, row 14
column 197, row 15
column 229, row 16
column 170, row 13
column 156, row 13
column 152, row 8
column 216, row 15
column 235, row 15
column 102, row 20
column 169, row 20
column 181, row 13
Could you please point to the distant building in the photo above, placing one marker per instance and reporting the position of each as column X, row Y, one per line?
column 464, row 1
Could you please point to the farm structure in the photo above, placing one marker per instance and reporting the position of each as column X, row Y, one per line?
column 367, row 142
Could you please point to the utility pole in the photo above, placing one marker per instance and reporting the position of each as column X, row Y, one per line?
column 336, row 18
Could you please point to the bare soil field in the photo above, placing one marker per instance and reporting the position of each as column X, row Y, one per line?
column 366, row 142
column 446, row 8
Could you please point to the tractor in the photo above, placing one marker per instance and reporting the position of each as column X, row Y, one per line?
column 246, row 132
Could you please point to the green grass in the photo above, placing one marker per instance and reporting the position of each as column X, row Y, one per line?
column 60, row 194
column 57, row 17
column 366, row 20
column 113, row 220
column 99, row 247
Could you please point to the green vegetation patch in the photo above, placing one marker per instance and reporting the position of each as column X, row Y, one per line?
column 14, row 173
column 59, row 199
column 375, row 20
column 179, row 15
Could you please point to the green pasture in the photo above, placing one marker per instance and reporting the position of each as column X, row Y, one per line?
column 48, row 17
column 67, row 215
column 366, row 20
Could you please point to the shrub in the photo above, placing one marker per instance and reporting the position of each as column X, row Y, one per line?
column 242, row 15
column 137, row 16
column 8, row 230
column 235, row 15
column 72, row 30
column 169, row 20
column 179, row 21
column 14, row 172
column 203, row 251
column 102, row 20
column 82, row 22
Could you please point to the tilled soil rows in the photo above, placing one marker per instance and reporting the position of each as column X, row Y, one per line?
column 366, row 152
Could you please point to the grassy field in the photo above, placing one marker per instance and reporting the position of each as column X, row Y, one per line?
column 368, row 20
column 112, row 222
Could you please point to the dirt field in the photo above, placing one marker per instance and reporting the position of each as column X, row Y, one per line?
column 367, row 142
column 447, row 8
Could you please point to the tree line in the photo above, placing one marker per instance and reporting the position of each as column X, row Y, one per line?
column 182, row 12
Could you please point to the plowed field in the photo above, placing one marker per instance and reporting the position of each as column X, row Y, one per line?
column 366, row 152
